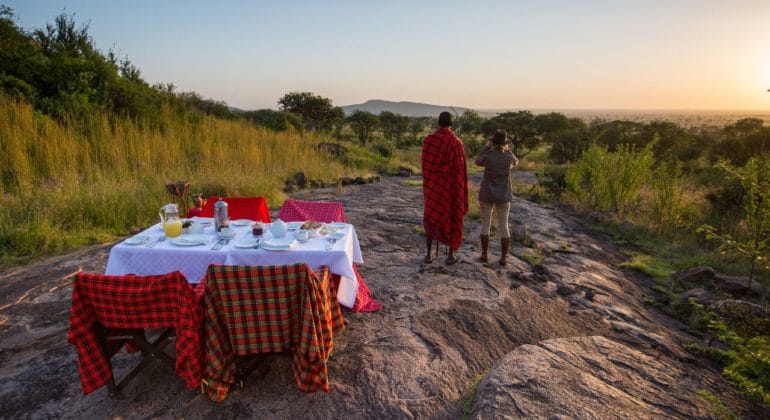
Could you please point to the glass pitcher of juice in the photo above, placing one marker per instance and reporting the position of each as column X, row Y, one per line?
column 169, row 219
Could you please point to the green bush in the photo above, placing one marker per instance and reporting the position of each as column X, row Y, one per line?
column 610, row 181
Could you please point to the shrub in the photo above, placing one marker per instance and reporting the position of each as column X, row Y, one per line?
column 610, row 180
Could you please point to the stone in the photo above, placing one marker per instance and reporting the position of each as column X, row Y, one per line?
column 738, row 285
column 290, row 186
column 700, row 294
column 332, row 149
column 586, row 377
column 694, row 277
column 599, row 217
column 359, row 181
column 745, row 318
column 300, row 179
column 403, row 171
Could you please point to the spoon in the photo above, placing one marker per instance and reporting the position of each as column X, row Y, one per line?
column 157, row 241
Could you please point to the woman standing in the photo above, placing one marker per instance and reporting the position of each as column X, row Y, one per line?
column 495, row 191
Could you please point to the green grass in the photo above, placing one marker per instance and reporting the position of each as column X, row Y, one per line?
column 469, row 397
column 648, row 265
column 659, row 255
column 534, row 258
column 66, row 185
column 717, row 408
column 412, row 183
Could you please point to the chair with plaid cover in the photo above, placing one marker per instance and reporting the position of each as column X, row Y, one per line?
column 327, row 212
column 251, row 310
column 254, row 208
column 110, row 311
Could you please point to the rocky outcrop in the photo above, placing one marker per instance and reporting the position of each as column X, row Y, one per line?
column 586, row 377
column 440, row 327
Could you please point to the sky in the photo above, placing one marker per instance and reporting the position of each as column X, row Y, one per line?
column 483, row 54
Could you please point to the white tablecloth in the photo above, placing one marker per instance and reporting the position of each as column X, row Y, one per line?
column 193, row 261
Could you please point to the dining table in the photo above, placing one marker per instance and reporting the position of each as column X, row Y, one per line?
column 150, row 252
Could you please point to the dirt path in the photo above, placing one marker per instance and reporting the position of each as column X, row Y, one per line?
column 440, row 328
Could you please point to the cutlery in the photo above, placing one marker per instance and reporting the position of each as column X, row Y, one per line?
column 217, row 245
column 157, row 241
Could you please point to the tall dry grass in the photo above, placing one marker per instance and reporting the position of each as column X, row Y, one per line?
column 71, row 184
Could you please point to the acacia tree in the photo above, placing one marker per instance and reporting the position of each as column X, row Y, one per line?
column 521, row 128
column 362, row 123
column 755, row 179
column 317, row 112
column 393, row 126
column 470, row 122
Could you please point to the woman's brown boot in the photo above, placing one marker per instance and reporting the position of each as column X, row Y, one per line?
column 505, row 244
column 484, row 248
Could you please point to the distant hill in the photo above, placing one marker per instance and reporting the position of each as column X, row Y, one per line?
column 410, row 109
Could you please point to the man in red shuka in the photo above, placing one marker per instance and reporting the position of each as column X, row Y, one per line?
column 444, row 187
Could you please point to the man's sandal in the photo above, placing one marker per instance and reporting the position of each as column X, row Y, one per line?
column 452, row 259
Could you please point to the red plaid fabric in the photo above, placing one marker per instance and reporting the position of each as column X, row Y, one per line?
column 327, row 212
column 263, row 309
column 254, row 208
column 444, row 186
column 134, row 302
column 319, row 211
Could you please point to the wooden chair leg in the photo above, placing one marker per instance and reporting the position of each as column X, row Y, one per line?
column 150, row 350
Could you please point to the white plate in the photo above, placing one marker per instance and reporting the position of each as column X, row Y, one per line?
column 203, row 221
column 247, row 243
column 242, row 222
column 137, row 240
column 190, row 240
column 336, row 235
column 338, row 225
column 278, row 245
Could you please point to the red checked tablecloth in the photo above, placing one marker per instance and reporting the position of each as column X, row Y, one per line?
column 319, row 211
column 262, row 309
column 254, row 208
column 134, row 302
column 327, row 212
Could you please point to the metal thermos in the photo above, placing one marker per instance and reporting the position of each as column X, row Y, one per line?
column 220, row 215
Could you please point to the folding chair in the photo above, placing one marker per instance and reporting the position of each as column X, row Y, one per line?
column 251, row 310
column 254, row 208
column 110, row 311
column 327, row 212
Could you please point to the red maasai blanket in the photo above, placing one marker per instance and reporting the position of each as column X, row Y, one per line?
column 327, row 212
column 133, row 302
column 444, row 186
column 254, row 208
column 263, row 309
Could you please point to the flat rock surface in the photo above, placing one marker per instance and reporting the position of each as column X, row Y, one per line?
column 586, row 377
column 441, row 328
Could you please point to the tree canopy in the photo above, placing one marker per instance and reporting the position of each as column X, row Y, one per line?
column 317, row 112
column 60, row 71
column 363, row 123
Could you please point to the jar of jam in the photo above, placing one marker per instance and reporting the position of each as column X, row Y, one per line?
column 257, row 229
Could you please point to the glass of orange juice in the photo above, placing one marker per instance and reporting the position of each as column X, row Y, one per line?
column 172, row 227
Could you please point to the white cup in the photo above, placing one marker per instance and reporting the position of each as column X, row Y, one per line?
column 302, row 235
column 226, row 233
column 195, row 227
